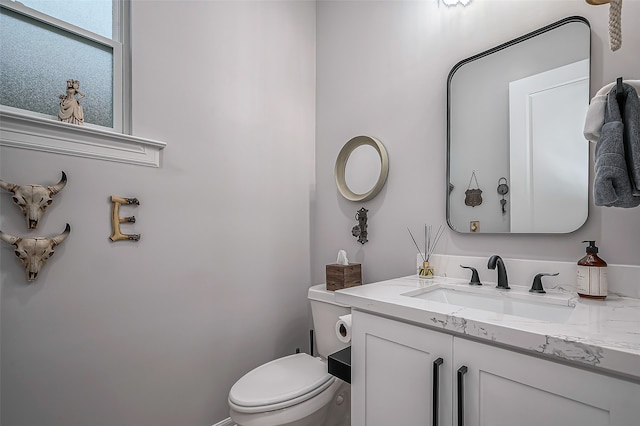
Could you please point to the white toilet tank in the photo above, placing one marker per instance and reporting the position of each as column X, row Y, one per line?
column 325, row 312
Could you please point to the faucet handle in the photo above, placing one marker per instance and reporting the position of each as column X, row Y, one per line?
column 537, row 283
column 475, row 278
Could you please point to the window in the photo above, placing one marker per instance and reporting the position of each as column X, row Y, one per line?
column 44, row 43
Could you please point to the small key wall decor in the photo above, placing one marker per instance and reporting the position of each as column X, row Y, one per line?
column 503, row 189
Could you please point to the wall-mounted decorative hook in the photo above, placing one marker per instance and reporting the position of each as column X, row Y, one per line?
column 116, row 220
column 360, row 230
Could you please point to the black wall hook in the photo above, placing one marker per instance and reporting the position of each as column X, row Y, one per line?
column 620, row 96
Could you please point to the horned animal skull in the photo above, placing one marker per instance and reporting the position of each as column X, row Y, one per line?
column 33, row 199
column 33, row 253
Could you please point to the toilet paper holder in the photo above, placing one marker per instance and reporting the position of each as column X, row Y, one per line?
column 343, row 328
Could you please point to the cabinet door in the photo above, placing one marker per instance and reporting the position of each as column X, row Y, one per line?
column 392, row 373
column 505, row 388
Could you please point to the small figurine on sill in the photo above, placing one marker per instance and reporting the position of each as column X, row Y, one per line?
column 70, row 108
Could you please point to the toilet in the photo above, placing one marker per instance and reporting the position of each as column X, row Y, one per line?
column 297, row 390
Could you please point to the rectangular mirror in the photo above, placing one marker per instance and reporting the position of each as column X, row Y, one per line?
column 517, row 161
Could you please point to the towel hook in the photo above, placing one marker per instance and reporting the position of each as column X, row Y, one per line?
column 620, row 97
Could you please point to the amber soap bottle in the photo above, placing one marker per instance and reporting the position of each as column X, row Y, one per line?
column 592, row 274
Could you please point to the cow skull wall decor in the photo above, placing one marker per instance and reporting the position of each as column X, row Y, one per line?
column 33, row 200
column 33, row 253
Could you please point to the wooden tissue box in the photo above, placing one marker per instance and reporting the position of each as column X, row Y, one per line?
column 343, row 276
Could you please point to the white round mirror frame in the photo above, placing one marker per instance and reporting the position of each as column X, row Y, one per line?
column 341, row 165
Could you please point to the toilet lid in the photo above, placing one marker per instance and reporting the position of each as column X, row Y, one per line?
column 280, row 383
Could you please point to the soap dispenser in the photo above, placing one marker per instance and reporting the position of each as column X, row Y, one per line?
column 592, row 274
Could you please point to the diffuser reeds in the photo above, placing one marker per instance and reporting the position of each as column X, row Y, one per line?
column 430, row 241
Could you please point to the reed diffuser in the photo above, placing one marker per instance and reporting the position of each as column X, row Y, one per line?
column 426, row 270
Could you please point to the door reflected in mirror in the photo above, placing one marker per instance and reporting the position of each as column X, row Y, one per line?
column 517, row 111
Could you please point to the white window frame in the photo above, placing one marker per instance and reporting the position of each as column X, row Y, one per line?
column 30, row 130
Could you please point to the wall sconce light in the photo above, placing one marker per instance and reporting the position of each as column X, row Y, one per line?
column 453, row 3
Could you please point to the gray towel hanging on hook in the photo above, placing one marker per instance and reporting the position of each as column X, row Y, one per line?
column 617, row 154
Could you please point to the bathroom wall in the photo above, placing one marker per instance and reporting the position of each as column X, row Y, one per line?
column 382, row 71
column 243, row 214
column 156, row 332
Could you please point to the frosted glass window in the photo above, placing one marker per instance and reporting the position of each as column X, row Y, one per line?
column 36, row 60
column 93, row 15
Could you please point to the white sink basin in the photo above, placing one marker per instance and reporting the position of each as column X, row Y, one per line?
column 543, row 307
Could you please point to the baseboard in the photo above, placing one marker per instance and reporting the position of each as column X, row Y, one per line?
column 225, row 422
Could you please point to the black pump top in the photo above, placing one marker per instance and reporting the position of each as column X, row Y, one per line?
column 592, row 246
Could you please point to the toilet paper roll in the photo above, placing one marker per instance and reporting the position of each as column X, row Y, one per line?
column 343, row 328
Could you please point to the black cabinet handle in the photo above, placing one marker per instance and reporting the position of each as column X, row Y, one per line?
column 436, row 389
column 461, row 372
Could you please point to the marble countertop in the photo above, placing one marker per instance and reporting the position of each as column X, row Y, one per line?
column 604, row 335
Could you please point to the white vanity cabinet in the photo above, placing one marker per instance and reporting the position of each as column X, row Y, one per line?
column 393, row 383
column 502, row 387
column 394, row 367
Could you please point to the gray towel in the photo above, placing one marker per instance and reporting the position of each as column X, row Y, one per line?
column 631, row 121
column 618, row 152
column 595, row 114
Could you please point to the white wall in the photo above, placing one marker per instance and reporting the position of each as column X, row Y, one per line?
column 156, row 332
column 382, row 71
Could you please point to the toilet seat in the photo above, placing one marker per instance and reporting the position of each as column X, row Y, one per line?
column 279, row 384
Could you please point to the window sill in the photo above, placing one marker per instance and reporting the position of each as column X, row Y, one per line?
column 41, row 134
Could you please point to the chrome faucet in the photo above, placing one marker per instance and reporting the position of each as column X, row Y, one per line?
column 494, row 261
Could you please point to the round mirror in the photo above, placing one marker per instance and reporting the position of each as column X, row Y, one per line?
column 361, row 169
